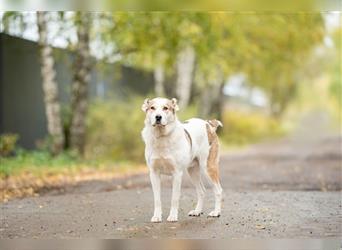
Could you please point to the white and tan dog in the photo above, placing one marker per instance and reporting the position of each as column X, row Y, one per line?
column 172, row 147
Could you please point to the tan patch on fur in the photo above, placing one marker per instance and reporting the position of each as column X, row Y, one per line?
column 213, row 157
column 211, row 134
column 163, row 165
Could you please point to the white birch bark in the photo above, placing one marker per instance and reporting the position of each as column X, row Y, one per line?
column 185, row 67
column 50, row 87
column 212, row 98
column 159, row 79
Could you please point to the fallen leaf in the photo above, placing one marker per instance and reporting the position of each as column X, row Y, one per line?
column 264, row 209
column 260, row 227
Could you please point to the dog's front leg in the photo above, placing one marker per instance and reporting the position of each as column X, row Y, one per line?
column 155, row 181
column 176, row 189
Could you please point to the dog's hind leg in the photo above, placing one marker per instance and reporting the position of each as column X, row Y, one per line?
column 195, row 176
column 212, row 171
column 218, row 199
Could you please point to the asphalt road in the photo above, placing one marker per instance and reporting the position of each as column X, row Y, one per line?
column 284, row 189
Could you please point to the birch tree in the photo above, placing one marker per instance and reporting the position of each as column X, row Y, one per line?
column 159, row 79
column 185, row 69
column 50, row 87
column 145, row 40
column 79, row 94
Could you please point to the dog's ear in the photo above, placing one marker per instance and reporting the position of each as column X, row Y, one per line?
column 174, row 104
column 145, row 105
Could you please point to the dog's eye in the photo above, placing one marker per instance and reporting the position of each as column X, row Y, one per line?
column 153, row 108
column 165, row 108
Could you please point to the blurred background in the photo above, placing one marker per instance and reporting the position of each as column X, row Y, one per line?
column 72, row 83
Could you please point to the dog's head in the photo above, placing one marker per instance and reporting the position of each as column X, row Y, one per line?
column 160, row 111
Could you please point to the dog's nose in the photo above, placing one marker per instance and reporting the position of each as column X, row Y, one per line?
column 158, row 118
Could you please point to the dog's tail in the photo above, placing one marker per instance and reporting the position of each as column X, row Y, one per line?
column 214, row 124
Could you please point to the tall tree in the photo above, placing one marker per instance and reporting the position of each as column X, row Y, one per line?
column 185, row 69
column 159, row 79
column 50, row 87
column 82, row 67
column 145, row 41
column 284, row 43
column 268, row 49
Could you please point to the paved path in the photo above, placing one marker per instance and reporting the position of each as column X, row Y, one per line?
column 285, row 189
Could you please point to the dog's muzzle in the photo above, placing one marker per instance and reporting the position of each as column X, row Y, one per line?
column 158, row 119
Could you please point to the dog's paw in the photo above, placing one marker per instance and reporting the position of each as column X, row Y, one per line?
column 172, row 218
column 214, row 214
column 195, row 213
column 156, row 219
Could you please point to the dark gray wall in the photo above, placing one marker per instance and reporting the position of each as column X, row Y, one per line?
column 1, row 90
column 21, row 95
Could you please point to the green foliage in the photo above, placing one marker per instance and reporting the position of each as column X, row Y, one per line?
column 242, row 128
column 283, row 44
column 268, row 48
column 13, row 17
column 187, row 113
column 114, row 131
column 35, row 161
column 8, row 144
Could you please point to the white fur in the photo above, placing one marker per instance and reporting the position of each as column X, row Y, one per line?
column 167, row 145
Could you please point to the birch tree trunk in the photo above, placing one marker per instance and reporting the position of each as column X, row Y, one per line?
column 82, row 67
column 159, row 79
column 185, row 67
column 211, row 103
column 50, row 88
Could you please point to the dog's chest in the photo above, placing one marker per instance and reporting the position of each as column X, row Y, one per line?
column 163, row 165
column 167, row 154
column 163, row 149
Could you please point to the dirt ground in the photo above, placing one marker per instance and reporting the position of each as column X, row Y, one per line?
column 282, row 189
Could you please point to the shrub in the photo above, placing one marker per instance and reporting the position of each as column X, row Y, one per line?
column 113, row 131
column 8, row 144
column 242, row 127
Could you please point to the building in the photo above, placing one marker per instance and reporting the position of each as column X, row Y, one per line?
column 21, row 96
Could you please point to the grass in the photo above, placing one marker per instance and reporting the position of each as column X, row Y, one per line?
column 34, row 162
column 41, row 163
column 29, row 172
